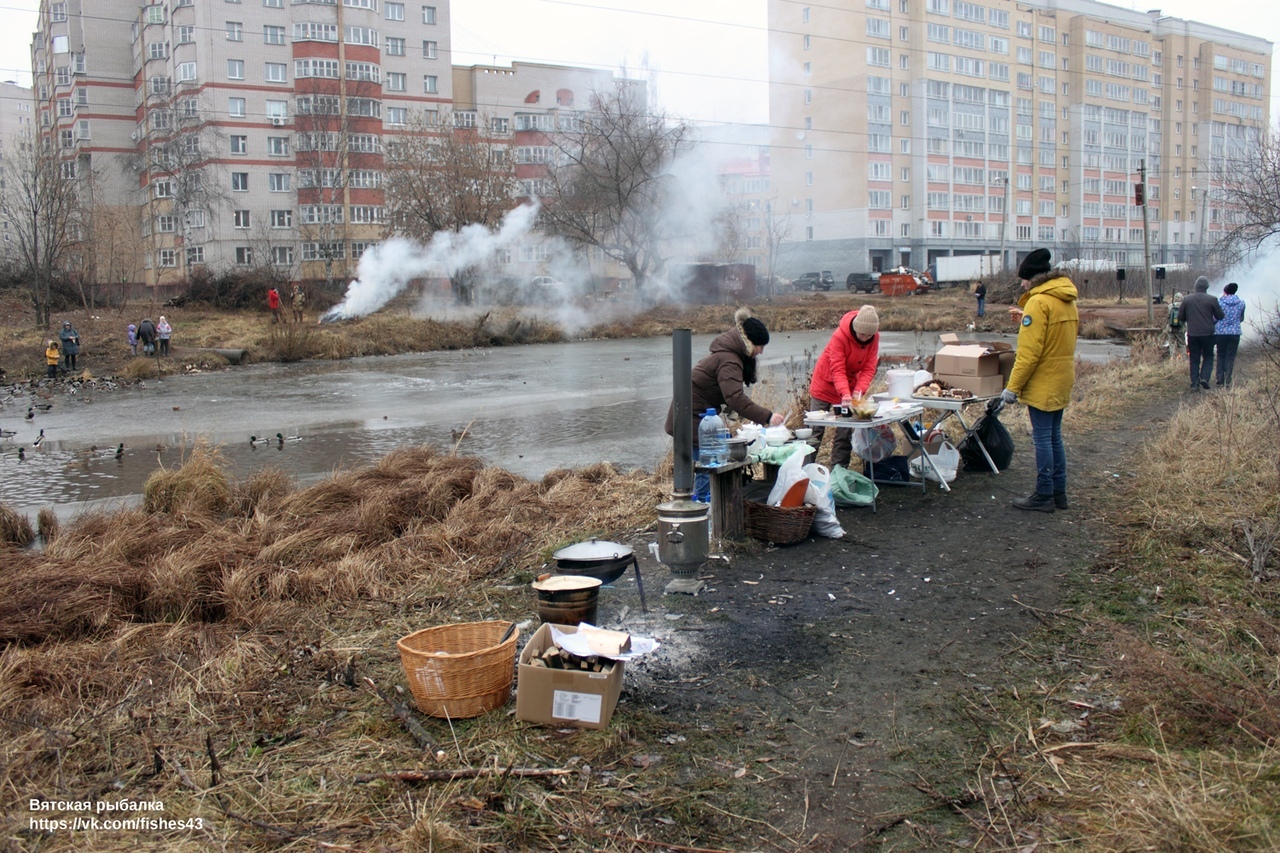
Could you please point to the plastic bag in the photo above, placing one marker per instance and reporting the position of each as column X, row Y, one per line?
column 818, row 494
column 789, row 472
column 874, row 443
column 946, row 461
column 995, row 438
column 849, row 488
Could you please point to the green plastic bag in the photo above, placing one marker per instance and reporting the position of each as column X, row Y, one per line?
column 849, row 488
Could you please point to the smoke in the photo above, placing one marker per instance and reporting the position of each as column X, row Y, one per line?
column 387, row 268
column 1259, row 289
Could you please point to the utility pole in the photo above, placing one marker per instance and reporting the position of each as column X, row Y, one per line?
column 1004, row 224
column 1146, row 240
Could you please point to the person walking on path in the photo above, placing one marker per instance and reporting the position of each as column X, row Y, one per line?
column 844, row 372
column 273, row 303
column 981, row 292
column 1044, row 372
column 1199, row 313
column 163, row 332
column 147, row 336
column 51, row 356
column 70, row 339
column 1176, row 332
column 299, row 300
column 1226, row 332
column 132, row 337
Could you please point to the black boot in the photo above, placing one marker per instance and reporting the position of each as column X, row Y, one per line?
column 1060, row 500
column 1037, row 501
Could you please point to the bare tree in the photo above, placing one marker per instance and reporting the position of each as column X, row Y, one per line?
column 42, row 204
column 1247, row 179
column 610, row 185
column 777, row 230
column 447, row 173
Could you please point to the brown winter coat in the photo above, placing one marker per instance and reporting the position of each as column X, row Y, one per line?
column 718, row 381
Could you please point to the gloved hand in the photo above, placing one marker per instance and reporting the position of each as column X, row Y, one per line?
column 1008, row 396
column 776, row 419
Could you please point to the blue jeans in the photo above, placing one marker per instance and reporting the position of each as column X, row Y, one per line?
column 1051, row 456
column 702, row 488
column 982, row 306
column 1227, row 346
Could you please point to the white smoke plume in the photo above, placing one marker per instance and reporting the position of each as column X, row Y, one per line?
column 1258, row 288
column 387, row 268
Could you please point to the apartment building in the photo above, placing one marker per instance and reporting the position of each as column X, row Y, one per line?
column 17, row 134
column 909, row 129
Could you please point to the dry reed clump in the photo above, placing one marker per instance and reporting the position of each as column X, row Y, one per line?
column 261, row 491
column 1095, row 330
column 138, row 368
column 186, row 583
column 60, row 599
column 15, row 528
column 47, row 524
column 199, row 486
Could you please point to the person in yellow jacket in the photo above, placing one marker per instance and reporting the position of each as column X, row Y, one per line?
column 1044, row 371
column 52, row 354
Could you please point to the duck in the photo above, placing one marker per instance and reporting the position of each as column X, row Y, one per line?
column 22, row 454
column 31, row 413
column 120, row 451
column 8, row 433
column 39, row 439
column 283, row 438
column 254, row 440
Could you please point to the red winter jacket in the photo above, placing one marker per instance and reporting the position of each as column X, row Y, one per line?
column 845, row 367
column 273, row 299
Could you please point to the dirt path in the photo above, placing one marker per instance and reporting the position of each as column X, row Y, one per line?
column 853, row 671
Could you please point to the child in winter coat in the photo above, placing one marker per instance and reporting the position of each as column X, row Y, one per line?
column 133, row 339
column 52, row 355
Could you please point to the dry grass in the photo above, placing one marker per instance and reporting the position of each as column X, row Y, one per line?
column 47, row 524
column 15, row 528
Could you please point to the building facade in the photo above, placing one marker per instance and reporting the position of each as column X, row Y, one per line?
column 17, row 135
column 908, row 129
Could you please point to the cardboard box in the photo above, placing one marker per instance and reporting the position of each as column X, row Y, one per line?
column 981, row 386
column 564, row 696
column 1007, row 359
column 968, row 358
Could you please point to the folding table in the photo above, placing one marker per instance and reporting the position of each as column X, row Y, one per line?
column 952, row 407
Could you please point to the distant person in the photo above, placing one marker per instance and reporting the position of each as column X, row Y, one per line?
column 51, row 357
column 132, row 337
column 1044, row 371
column 299, row 300
column 1227, row 332
column 844, row 372
column 981, row 292
column 721, row 379
column 1176, row 332
column 70, row 342
column 1199, row 314
column 273, row 304
column 147, row 336
column 163, row 332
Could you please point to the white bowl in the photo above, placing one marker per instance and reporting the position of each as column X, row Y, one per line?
column 803, row 433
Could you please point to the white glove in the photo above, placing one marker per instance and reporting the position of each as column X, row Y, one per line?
column 1008, row 396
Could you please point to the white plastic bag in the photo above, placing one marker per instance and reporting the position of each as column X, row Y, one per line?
column 874, row 443
column 946, row 460
column 819, row 495
column 789, row 472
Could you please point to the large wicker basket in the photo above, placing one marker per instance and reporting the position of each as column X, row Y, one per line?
column 460, row 670
column 776, row 524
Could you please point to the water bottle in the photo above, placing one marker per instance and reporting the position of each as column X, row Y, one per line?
column 713, row 440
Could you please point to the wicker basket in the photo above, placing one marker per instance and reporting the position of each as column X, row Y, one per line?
column 776, row 524
column 459, row 670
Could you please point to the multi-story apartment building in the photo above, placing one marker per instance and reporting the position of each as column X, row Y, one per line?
column 909, row 129
column 17, row 134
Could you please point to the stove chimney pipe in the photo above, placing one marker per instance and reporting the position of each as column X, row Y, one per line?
column 682, row 424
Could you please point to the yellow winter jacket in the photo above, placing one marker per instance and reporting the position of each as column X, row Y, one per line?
column 1045, row 367
column 52, row 354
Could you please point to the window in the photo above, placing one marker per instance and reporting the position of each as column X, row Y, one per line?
column 244, row 255
column 240, row 218
column 240, row 182
column 195, row 255
column 363, row 71
column 162, row 189
column 282, row 219
column 157, row 50
column 394, row 11
column 239, row 144
column 278, row 146
column 395, row 81
column 167, row 258
column 428, row 14
column 186, row 35
column 395, row 46
column 316, row 68
column 57, row 12
column 282, row 256
column 429, row 49
column 311, row 31
column 878, row 56
column 155, row 15
column 429, row 84
column 167, row 223
column 278, row 182
column 235, row 69
column 186, row 71
column 362, row 35
column 272, row 34
column 276, row 72
column 877, row 28
column 235, row 31
column 235, row 107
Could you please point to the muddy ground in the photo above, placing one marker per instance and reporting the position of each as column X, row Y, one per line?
column 856, row 671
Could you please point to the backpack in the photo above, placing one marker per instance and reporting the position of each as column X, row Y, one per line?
column 1174, row 322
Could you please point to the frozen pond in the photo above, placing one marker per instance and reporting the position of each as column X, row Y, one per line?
column 529, row 409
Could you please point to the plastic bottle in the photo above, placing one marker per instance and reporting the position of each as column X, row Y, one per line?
column 713, row 440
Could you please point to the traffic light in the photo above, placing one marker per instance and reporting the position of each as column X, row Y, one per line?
column 1120, row 274
column 1137, row 195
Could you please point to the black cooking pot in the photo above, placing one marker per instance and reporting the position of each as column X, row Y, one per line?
column 595, row 559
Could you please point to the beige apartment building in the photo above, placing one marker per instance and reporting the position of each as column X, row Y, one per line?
column 242, row 134
column 17, row 134
column 908, row 129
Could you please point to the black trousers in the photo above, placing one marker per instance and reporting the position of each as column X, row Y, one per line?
column 1200, row 355
column 1227, row 346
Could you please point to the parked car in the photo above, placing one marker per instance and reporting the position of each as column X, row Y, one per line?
column 815, row 281
column 863, row 282
column 548, row 289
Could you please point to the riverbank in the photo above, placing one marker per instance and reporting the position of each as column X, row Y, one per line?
column 200, row 331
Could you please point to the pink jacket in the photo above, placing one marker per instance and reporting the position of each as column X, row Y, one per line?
column 845, row 367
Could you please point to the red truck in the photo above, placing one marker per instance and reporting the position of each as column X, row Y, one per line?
column 904, row 281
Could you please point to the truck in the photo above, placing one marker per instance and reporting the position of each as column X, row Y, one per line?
column 959, row 270
column 903, row 281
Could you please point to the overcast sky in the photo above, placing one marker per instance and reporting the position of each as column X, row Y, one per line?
column 707, row 57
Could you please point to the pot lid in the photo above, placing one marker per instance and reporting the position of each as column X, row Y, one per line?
column 593, row 549
column 566, row 583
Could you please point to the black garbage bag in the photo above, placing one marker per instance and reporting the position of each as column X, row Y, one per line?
column 994, row 437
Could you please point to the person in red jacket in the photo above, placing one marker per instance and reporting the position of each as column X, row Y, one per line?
column 844, row 373
column 273, row 302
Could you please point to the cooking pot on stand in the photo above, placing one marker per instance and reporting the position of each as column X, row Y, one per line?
column 606, row 561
